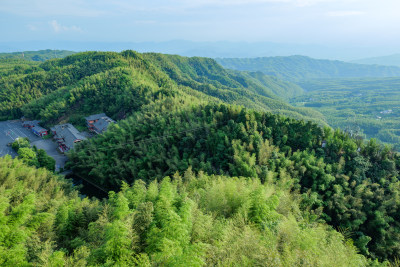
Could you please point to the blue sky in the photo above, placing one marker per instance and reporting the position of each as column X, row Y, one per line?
column 353, row 22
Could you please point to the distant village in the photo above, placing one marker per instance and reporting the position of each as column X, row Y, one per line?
column 389, row 111
column 384, row 112
column 66, row 135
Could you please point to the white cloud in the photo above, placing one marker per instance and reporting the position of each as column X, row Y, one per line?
column 345, row 13
column 57, row 27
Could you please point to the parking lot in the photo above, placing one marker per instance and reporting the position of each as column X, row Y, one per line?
column 10, row 130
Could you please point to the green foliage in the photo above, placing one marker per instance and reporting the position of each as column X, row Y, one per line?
column 279, row 87
column 45, row 160
column 33, row 156
column 29, row 198
column 294, row 176
column 227, row 139
column 124, row 83
column 27, row 155
column 18, row 89
column 190, row 220
column 346, row 182
column 20, row 143
column 247, row 89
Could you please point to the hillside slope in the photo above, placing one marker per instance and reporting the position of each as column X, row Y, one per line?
column 283, row 88
column 295, row 68
column 41, row 55
column 206, row 70
column 122, row 83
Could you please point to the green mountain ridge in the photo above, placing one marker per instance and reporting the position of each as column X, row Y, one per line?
column 295, row 68
column 391, row 60
column 59, row 88
column 40, row 55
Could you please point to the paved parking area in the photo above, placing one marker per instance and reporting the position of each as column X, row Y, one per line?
column 51, row 149
column 10, row 130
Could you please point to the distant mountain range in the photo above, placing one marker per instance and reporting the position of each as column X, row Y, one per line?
column 391, row 60
column 41, row 55
column 291, row 68
column 222, row 49
column 296, row 68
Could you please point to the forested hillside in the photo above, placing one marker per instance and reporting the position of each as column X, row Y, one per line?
column 186, row 70
column 41, row 55
column 185, row 220
column 350, row 184
column 296, row 68
column 196, row 179
column 283, row 89
column 121, row 83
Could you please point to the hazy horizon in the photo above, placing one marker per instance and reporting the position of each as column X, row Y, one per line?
column 346, row 29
